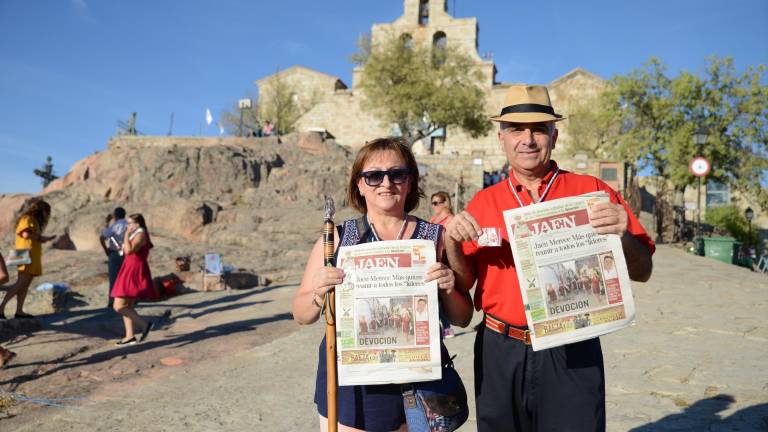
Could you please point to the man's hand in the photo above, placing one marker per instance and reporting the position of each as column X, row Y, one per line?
column 463, row 227
column 609, row 218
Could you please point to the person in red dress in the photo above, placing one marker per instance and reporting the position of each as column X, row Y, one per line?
column 134, row 281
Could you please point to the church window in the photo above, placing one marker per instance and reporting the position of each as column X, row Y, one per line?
column 407, row 41
column 439, row 40
column 423, row 12
column 439, row 43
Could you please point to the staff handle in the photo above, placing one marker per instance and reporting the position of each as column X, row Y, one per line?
column 330, row 329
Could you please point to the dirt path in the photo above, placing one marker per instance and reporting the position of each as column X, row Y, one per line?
column 694, row 361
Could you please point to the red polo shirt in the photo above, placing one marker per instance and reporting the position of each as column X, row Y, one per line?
column 498, row 290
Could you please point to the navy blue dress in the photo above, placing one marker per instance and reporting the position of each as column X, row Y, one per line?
column 374, row 408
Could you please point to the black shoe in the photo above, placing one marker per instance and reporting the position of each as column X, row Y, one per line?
column 146, row 331
column 131, row 341
column 23, row 315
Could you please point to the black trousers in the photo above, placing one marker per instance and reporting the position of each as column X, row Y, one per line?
column 558, row 389
column 114, row 262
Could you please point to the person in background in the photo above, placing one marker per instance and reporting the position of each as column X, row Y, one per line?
column 111, row 240
column 268, row 129
column 5, row 355
column 442, row 213
column 134, row 281
column 29, row 235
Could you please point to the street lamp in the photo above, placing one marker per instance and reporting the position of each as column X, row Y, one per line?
column 749, row 214
column 243, row 104
column 699, row 139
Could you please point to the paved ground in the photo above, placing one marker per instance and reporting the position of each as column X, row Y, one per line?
column 694, row 361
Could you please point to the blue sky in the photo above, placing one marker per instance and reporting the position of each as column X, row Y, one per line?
column 69, row 69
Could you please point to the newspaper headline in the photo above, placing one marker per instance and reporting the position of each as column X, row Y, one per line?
column 574, row 281
column 387, row 324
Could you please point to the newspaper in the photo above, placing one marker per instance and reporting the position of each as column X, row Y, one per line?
column 387, row 325
column 574, row 281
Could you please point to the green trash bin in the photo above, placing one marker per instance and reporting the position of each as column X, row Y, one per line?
column 698, row 246
column 720, row 248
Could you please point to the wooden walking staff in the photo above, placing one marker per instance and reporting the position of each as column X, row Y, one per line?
column 330, row 318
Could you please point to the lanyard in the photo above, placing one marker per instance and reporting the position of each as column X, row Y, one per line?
column 543, row 195
column 399, row 235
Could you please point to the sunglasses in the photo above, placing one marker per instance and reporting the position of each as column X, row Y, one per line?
column 437, row 203
column 375, row 178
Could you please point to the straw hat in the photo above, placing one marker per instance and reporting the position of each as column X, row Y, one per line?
column 525, row 103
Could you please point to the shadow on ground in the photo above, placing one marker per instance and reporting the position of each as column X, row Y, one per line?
column 703, row 415
column 105, row 324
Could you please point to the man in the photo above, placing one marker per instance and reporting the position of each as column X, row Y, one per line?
column 609, row 270
column 111, row 240
column 517, row 389
column 421, row 310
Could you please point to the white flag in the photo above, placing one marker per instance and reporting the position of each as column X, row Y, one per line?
column 208, row 116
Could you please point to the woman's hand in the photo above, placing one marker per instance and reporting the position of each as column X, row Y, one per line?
column 322, row 281
column 443, row 275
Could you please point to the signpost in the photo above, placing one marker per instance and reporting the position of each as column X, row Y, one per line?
column 699, row 167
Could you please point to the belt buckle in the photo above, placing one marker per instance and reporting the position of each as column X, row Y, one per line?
column 527, row 337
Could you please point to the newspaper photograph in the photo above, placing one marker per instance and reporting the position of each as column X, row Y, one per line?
column 387, row 323
column 574, row 281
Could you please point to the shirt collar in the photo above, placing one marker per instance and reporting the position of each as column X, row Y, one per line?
column 519, row 187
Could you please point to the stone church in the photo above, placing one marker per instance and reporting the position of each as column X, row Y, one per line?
column 336, row 107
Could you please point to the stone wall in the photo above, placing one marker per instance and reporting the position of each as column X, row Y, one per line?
column 457, row 154
column 308, row 86
column 132, row 141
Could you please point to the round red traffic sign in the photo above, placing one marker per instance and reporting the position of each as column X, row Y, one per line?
column 699, row 166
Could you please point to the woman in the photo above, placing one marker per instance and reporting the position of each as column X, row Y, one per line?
column 384, row 187
column 442, row 211
column 5, row 355
column 134, row 281
column 29, row 235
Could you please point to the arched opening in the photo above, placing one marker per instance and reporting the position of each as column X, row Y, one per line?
column 439, row 40
column 439, row 43
column 407, row 41
column 423, row 12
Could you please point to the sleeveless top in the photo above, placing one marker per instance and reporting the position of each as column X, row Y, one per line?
column 369, row 407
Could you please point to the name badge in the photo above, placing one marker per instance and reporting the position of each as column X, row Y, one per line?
column 491, row 237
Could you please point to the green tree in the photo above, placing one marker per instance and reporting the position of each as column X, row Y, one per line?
column 731, row 219
column 658, row 116
column 643, row 103
column 282, row 102
column 230, row 118
column 733, row 108
column 363, row 44
column 593, row 128
column 421, row 89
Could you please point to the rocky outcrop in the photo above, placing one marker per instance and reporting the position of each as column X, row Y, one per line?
column 254, row 193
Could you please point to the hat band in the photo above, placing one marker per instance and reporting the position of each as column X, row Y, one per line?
column 528, row 108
